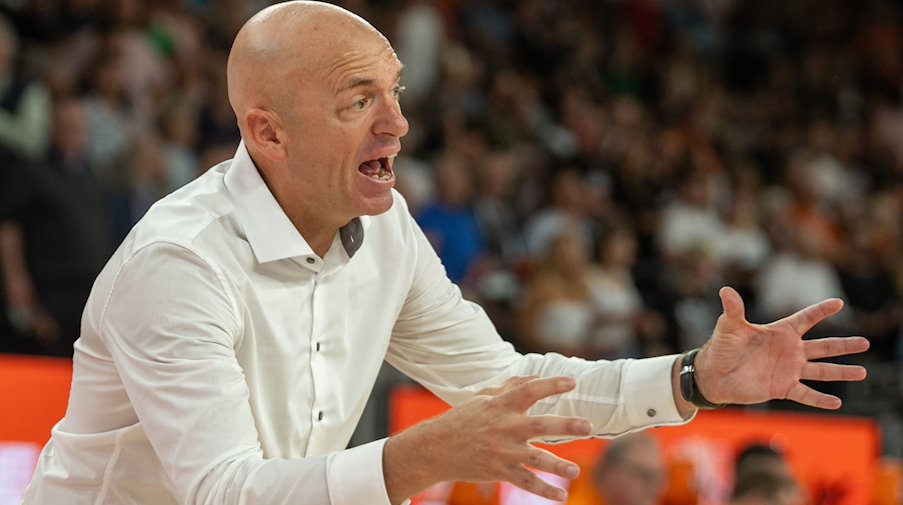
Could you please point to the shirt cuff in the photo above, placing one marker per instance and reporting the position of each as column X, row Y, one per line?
column 649, row 393
column 355, row 476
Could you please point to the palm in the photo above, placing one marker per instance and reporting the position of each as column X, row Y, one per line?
column 750, row 363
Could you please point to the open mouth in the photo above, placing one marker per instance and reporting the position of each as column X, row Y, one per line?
column 380, row 169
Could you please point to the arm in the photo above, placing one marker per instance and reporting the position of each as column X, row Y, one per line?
column 21, row 297
column 172, row 324
column 449, row 345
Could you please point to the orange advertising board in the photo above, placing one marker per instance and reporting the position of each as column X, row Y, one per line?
column 834, row 457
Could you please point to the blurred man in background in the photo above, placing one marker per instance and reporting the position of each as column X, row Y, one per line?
column 632, row 471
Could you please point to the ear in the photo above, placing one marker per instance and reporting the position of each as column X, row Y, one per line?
column 263, row 129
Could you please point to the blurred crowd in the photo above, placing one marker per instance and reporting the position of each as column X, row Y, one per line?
column 590, row 172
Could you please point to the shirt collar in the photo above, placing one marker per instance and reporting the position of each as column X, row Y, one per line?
column 269, row 231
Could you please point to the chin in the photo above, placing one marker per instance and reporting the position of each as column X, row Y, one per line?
column 376, row 206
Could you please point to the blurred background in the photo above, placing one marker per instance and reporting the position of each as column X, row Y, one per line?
column 591, row 172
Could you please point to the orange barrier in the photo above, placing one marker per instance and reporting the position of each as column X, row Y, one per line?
column 835, row 457
column 34, row 393
column 33, row 396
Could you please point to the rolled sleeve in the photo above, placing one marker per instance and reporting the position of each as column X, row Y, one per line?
column 355, row 476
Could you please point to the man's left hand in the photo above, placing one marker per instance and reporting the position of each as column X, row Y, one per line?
column 746, row 363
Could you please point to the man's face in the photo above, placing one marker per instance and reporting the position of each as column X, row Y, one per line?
column 344, row 126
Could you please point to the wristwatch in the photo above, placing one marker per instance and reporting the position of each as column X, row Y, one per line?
column 688, row 387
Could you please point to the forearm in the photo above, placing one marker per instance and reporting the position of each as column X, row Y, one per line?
column 16, row 278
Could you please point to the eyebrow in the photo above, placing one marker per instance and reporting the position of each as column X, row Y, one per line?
column 365, row 82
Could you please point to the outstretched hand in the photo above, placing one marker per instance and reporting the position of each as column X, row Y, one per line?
column 485, row 439
column 746, row 363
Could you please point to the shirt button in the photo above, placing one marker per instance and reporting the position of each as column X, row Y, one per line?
column 318, row 347
column 311, row 261
column 320, row 416
column 650, row 412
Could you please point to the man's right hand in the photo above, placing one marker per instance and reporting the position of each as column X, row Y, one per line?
column 485, row 439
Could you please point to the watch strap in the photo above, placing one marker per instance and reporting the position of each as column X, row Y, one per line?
column 689, row 389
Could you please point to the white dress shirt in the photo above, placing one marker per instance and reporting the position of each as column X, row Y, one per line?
column 221, row 361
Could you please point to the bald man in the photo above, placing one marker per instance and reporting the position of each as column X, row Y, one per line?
column 230, row 344
column 632, row 471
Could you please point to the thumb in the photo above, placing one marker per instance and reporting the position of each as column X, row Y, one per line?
column 732, row 304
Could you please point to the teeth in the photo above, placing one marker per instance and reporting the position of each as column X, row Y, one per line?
column 384, row 175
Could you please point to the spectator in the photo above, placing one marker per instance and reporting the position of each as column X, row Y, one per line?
column 632, row 471
column 765, row 488
column 450, row 222
column 692, row 222
column 624, row 327
column 760, row 458
column 558, row 312
column 567, row 209
column 55, row 235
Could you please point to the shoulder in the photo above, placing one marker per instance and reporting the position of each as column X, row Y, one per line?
column 190, row 216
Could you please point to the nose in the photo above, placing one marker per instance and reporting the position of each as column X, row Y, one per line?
column 391, row 121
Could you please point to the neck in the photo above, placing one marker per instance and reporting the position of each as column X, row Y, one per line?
column 319, row 238
column 317, row 229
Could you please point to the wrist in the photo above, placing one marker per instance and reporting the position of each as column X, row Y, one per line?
column 694, row 384
column 407, row 469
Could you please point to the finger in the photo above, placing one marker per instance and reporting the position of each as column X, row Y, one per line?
column 541, row 459
column 832, row 372
column 524, row 396
column 530, row 482
column 549, row 425
column 732, row 303
column 805, row 395
column 834, row 346
column 508, row 385
column 805, row 319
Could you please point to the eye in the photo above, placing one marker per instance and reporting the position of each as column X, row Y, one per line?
column 360, row 104
column 398, row 90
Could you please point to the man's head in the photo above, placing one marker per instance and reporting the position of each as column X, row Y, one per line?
column 315, row 90
column 765, row 488
column 758, row 457
column 70, row 137
column 632, row 472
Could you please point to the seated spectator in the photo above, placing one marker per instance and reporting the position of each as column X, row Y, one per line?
column 765, row 488
column 567, row 209
column 632, row 471
column 623, row 322
column 558, row 312
column 691, row 222
column 758, row 458
column 450, row 222
column 796, row 274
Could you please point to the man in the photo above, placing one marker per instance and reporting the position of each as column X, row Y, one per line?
column 230, row 344
column 632, row 471
column 54, row 238
column 758, row 457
